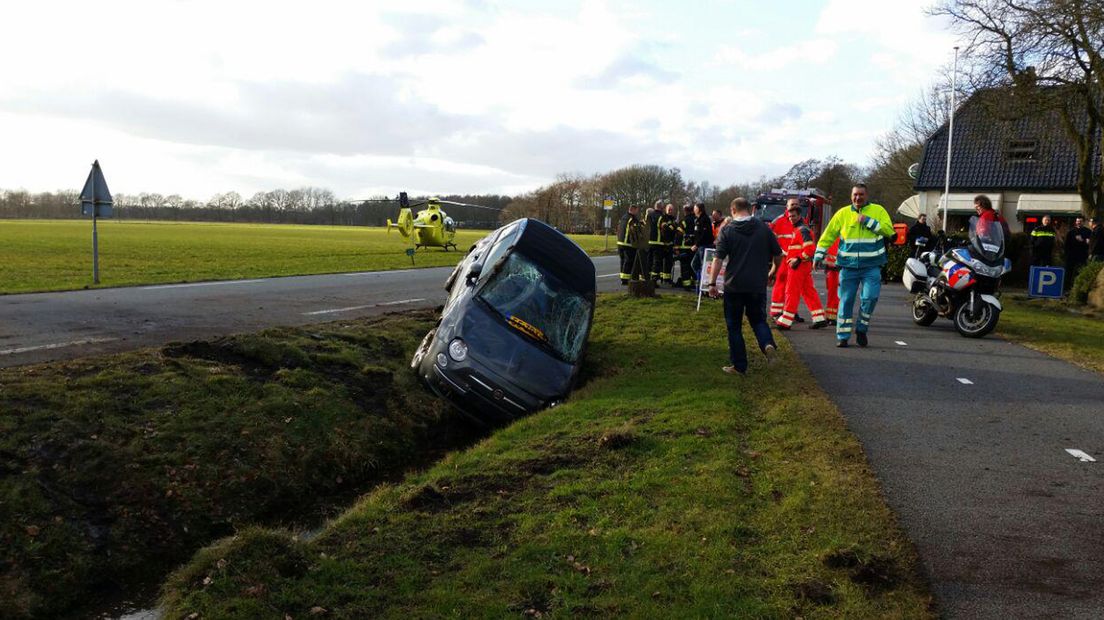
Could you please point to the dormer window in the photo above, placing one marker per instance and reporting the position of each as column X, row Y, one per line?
column 1022, row 150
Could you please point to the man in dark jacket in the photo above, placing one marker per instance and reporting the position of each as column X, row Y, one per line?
column 919, row 230
column 1077, row 249
column 703, row 237
column 753, row 257
column 684, row 246
column 1096, row 243
column 1042, row 243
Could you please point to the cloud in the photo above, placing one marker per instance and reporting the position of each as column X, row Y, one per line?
column 628, row 70
column 799, row 52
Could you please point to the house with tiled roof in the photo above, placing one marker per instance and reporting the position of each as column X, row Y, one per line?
column 1026, row 164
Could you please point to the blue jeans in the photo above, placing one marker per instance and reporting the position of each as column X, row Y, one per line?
column 755, row 305
column 867, row 282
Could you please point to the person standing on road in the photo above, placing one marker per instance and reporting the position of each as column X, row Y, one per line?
column 799, row 258
column 1042, row 243
column 628, row 230
column 684, row 242
column 753, row 256
column 703, row 238
column 782, row 228
column 1077, row 249
column 831, row 282
column 861, row 229
column 919, row 230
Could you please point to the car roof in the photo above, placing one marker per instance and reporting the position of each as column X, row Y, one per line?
column 556, row 253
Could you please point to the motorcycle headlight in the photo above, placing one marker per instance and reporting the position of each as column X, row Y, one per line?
column 458, row 350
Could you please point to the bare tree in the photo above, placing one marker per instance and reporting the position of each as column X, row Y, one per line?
column 1050, row 55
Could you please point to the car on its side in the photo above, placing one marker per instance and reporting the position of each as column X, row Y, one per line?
column 513, row 332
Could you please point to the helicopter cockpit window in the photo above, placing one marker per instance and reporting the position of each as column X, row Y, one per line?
column 537, row 305
column 450, row 225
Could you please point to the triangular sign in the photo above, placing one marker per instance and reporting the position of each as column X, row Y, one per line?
column 95, row 197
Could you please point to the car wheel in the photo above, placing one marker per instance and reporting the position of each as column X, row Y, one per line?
column 423, row 348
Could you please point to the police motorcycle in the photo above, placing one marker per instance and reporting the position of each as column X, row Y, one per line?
column 962, row 284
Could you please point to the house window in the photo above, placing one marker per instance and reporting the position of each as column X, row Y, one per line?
column 1023, row 150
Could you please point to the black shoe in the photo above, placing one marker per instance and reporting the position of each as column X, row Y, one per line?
column 841, row 344
column 819, row 325
column 798, row 319
column 832, row 322
column 624, row 282
column 860, row 338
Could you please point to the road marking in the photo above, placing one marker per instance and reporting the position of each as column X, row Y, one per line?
column 609, row 275
column 902, row 343
column 160, row 286
column 1085, row 458
column 965, row 381
column 377, row 273
column 56, row 345
column 351, row 308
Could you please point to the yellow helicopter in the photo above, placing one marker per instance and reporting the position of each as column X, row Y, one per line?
column 431, row 227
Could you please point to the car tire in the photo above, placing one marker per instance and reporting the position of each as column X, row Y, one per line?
column 423, row 348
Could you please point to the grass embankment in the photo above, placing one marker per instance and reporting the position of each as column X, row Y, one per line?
column 52, row 255
column 115, row 469
column 1054, row 328
column 663, row 488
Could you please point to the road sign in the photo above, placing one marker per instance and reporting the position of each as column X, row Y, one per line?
column 1045, row 282
column 95, row 197
column 607, row 204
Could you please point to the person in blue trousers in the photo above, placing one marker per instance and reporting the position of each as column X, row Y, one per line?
column 862, row 229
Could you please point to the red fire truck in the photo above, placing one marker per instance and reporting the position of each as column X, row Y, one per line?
column 816, row 207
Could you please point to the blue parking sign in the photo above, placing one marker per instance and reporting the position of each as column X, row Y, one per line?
column 1045, row 282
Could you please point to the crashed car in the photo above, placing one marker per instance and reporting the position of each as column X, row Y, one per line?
column 513, row 332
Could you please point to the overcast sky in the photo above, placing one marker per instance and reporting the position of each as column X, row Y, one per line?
column 474, row 96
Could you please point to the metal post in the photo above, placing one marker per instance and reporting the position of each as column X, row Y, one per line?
column 950, row 138
column 95, row 249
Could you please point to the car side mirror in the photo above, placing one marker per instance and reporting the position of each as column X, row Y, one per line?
column 473, row 273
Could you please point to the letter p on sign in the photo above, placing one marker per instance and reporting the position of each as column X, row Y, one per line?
column 1045, row 282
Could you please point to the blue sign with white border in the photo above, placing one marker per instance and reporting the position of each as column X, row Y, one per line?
column 1045, row 282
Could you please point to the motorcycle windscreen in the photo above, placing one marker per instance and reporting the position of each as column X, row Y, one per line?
column 987, row 238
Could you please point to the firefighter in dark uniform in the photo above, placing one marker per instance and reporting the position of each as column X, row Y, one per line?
column 662, row 256
column 654, row 221
column 628, row 230
column 1042, row 243
column 684, row 246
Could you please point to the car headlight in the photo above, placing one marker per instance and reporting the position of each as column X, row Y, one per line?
column 442, row 361
column 457, row 350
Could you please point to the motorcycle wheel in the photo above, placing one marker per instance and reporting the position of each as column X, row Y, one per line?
column 923, row 313
column 979, row 325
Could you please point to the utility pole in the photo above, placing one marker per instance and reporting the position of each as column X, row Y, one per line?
column 950, row 138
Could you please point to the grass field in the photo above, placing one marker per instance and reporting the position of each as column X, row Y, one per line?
column 52, row 255
column 663, row 488
column 1055, row 329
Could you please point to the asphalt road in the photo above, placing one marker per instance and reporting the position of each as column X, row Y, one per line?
column 52, row 326
column 969, row 439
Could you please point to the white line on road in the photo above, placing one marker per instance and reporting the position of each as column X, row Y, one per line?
column 56, row 345
column 1085, row 458
column 377, row 273
column 159, row 286
column 902, row 343
column 351, row 308
column 965, row 381
column 608, row 275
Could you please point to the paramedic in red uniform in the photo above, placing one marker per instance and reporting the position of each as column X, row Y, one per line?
column 831, row 280
column 783, row 231
column 799, row 258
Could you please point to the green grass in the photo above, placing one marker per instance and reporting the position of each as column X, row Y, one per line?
column 1054, row 328
column 51, row 255
column 663, row 488
column 115, row 469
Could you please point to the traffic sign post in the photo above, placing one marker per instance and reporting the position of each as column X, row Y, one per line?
column 1046, row 282
column 607, row 205
column 96, row 202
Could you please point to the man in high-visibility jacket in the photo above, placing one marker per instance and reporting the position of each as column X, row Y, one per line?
column 831, row 281
column 653, row 221
column 666, row 259
column 628, row 231
column 861, row 229
column 1042, row 243
column 782, row 228
column 799, row 257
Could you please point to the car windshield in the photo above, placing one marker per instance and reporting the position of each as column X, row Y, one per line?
column 987, row 237
column 535, row 303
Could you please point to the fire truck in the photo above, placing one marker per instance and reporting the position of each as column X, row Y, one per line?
column 816, row 207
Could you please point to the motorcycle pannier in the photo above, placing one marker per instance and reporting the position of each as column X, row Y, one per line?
column 915, row 276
